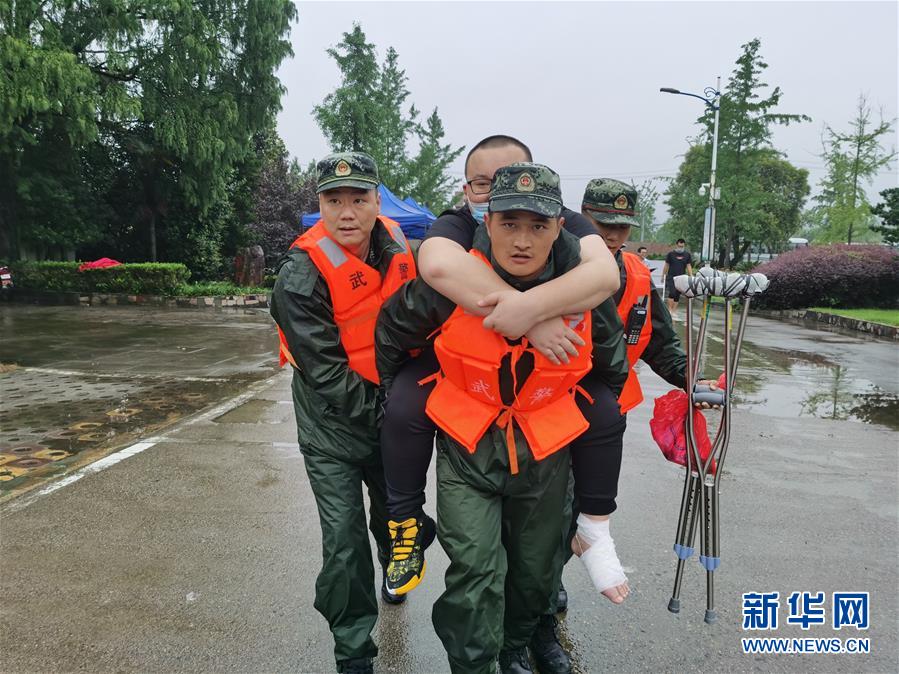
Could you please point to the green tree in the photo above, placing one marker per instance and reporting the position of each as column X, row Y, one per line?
column 745, row 164
column 888, row 211
column 367, row 112
column 431, row 185
column 282, row 193
column 171, row 91
column 647, row 200
column 395, row 126
column 783, row 189
column 852, row 159
column 349, row 115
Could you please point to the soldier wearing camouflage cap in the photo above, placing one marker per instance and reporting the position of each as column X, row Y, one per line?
column 612, row 207
column 330, row 286
column 346, row 169
column 503, row 435
column 498, row 182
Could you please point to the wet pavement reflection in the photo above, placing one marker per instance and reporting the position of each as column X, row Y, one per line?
column 77, row 383
column 808, row 370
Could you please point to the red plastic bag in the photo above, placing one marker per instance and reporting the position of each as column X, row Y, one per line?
column 99, row 264
column 668, row 426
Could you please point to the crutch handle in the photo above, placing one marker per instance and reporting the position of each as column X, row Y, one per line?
column 703, row 393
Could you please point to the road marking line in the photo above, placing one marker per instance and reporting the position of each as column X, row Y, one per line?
column 107, row 375
column 132, row 450
column 95, row 467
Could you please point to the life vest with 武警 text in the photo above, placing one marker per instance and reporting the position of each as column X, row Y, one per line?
column 357, row 292
column 467, row 398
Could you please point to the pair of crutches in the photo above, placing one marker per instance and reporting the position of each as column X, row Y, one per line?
column 700, row 479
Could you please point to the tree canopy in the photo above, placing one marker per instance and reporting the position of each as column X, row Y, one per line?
column 888, row 211
column 368, row 112
column 761, row 192
column 124, row 122
column 852, row 159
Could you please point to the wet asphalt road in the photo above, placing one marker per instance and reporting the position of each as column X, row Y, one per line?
column 84, row 381
column 199, row 553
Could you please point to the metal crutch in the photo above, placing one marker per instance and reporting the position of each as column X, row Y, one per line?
column 701, row 487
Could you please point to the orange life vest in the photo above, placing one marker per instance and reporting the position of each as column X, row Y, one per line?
column 467, row 399
column 637, row 290
column 357, row 292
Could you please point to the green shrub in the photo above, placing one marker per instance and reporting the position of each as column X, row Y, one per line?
column 838, row 275
column 145, row 278
column 217, row 288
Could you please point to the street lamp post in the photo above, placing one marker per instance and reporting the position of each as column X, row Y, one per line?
column 712, row 99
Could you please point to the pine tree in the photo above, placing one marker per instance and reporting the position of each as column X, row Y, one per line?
column 349, row 116
column 744, row 152
column 431, row 186
column 395, row 126
column 852, row 160
column 368, row 112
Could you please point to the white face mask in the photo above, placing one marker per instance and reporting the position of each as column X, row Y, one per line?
column 478, row 211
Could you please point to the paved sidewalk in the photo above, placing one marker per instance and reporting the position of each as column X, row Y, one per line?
column 199, row 554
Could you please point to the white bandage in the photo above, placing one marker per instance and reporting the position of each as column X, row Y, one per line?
column 600, row 558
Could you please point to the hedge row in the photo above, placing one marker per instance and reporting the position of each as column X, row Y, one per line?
column 832, row 276
column 145, row 278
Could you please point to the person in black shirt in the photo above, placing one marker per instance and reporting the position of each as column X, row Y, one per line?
column 677, row 262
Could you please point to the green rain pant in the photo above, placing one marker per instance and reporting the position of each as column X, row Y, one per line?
column 504, row 536
column 345, row 587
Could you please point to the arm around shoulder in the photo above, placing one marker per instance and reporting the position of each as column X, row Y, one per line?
column 450, row 270
column 586, row 286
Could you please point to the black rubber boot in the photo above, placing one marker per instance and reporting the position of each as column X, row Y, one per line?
column 548, row 653
column 514, row 662
column 356, row 666
column 562, row 599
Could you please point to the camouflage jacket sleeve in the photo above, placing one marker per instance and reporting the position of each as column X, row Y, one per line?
column 663, row 353
column 609, row 350
column 301, row 306
column 407, row 319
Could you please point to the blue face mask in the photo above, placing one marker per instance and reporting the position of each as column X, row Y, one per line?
column 478, row 211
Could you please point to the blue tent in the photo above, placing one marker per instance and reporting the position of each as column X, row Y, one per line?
column 414, row 219
column 415, row 204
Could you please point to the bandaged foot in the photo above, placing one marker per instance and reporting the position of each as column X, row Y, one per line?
column 594, row 545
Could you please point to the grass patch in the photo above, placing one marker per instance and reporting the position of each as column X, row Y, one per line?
column 217, row 288
column 884, row 316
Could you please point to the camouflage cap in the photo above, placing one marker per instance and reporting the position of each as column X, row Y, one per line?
column 611, row 202
column 347, row 169
column 526, row 186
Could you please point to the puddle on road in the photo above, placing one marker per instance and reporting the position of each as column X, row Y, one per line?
column 51, row 423
column 85, row 382
column 795, row 382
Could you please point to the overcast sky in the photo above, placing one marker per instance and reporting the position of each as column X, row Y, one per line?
column 579, row 81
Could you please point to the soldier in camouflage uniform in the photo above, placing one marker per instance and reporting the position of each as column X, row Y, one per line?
column 504, row 532
column 611, row 206
column 337, row 409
